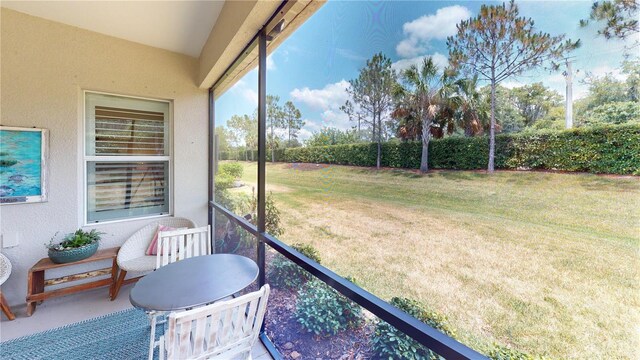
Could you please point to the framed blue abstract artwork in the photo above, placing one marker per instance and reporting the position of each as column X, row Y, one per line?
column 23, row 165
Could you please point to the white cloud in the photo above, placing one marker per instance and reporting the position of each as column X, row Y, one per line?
column 440, row 60
column 238, row 84
column 580, row 87
column 271, row 65
column 409, row 47
column 250, row 95
column 281, row 133
column 558, row 83
column 312, row 125
column 555, row 81
column 336, row 118
column 512, row 84
column 328, row 97
column 350, row 54
column 284, row 54
column 603, row 70
column 422, row 30
column 579, row 92
column 327, row 101
column 304, row 134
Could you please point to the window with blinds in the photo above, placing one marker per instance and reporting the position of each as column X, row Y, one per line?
column 128, row 132
column 127, row 157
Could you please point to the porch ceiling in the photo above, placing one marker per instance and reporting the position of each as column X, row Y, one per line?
column 215, row 31
column 179, row 26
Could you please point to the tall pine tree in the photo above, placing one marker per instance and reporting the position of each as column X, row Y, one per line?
column 498, row 44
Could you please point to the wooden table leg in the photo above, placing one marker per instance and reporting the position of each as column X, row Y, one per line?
column 31, row 306
column 118, row 285
column 114, row 277
column 35, row 286
column 5, row 308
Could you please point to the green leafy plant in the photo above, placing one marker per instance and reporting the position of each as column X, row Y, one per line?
column 227, row 175
column 76, row 239
column 323, row 311
column 224, row 182
column 272, row 215
column 499, row 352
column 284, row 273
column 244, row 205
column 233, row 169
column 390, row 343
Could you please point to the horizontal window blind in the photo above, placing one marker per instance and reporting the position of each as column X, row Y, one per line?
column 120, row 132
column 128, row 132
column 126, row 189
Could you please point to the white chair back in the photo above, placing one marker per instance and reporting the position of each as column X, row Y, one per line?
column 221, row 330
column 182, row 244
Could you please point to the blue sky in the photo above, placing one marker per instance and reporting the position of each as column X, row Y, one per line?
column 312, row 67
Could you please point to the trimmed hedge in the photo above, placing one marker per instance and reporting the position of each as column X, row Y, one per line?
column 251, row 155
column 606, row 149
column 361, row 154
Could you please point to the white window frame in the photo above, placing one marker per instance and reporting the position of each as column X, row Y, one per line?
column 87, row 158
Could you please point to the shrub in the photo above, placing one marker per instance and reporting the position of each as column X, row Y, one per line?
column 272, row 214
column 499, row 352
column 390, row 343
column 613, row 149
column 273, row 225
column 232, row 169
column 230, row 237
column 284, row 273
column 308, row 251
column 322, row 310
column 224, row 181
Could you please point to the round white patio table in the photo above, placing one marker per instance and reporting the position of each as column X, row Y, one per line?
column 190, row 283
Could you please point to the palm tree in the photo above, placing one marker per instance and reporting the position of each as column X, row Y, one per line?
column 408, row 127
column 421, row 98
column 445, row 121
column 472, row 114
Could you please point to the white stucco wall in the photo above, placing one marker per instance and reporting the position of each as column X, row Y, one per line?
column 45, row 66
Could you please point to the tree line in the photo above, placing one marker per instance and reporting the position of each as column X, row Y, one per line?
column 425, row 101
column 283, row 126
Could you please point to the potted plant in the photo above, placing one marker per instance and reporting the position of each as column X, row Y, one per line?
column 74, row 246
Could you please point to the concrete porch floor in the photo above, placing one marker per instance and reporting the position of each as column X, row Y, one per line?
column 73, row 308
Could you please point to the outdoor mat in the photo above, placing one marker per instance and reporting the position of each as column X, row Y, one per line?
column 121, row 335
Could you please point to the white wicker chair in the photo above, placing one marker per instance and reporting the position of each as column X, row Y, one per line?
column 132, row 257
column 222, row 330
column 5, row 271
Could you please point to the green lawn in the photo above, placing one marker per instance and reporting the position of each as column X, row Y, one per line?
column 546, row 263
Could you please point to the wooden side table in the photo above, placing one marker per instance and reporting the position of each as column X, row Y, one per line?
column 36, row 281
